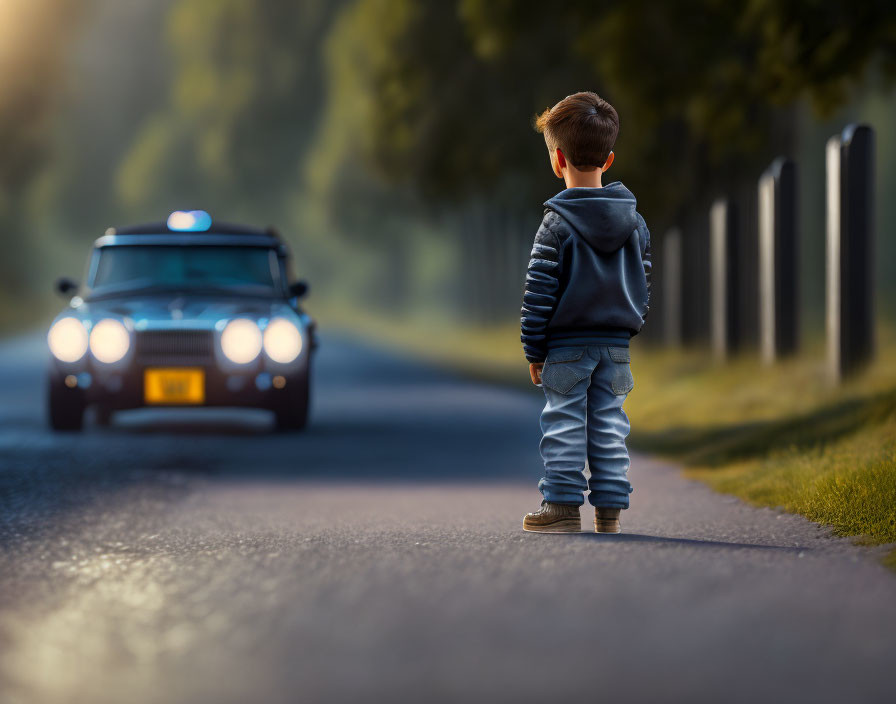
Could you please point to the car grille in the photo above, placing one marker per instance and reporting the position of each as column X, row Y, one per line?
column 154, row 347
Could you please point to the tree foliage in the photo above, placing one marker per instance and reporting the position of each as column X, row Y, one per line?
column 422, row 104
column 390, row 127
column 243, row 101
column 699, row 84
column 33, row 43
column 30, row 73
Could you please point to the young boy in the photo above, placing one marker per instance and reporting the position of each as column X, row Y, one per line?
column 587, row 290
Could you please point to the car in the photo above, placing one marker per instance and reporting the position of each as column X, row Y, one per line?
column 186, row 312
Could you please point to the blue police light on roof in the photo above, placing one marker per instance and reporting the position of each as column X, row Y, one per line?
column 189, row 221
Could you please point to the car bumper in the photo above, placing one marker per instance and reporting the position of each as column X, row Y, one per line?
column 124, row 389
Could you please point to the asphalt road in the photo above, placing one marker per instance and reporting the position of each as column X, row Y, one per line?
column 379, row 556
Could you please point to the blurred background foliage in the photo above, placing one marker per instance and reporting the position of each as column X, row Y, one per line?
column 391, row 140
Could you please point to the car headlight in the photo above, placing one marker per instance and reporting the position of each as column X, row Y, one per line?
column 282, row 341
column 241, row 341
column 68, row 339
column 109, row 340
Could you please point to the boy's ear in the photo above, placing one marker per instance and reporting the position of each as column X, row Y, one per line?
column 558, row 162
column 609, row 162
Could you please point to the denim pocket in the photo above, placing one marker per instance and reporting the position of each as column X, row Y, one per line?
column 623, row 381
column 560, row 373
column 620, row 354
column 565, row 354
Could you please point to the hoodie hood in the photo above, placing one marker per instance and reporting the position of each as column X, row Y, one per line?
column 604, row 217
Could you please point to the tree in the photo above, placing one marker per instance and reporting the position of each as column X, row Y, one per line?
column 702, row 85
column 243, row 101
column 34, row 38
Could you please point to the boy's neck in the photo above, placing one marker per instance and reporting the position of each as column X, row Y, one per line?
column 582, row 179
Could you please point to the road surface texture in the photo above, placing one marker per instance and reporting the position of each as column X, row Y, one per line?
column 379, row 557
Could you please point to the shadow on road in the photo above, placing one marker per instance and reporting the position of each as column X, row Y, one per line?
column 198, row 422
column 689, row 542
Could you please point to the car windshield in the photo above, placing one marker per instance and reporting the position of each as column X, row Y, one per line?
column 244, row 269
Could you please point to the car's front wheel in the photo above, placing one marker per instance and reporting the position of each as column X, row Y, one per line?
column 65, row 406
column 292, row 410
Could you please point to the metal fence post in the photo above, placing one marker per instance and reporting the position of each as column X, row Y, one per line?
column 672, row 287
column 723, row 277
column 850, row 241
column 778, row 269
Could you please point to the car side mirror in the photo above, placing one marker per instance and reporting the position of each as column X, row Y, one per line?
column 298, row 289
column 66, row 286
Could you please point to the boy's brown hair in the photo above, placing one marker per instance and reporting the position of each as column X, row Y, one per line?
column 583, row 126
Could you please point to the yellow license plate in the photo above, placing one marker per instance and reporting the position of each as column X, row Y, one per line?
column 180, row 385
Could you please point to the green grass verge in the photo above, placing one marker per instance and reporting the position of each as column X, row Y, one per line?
column 778, row 436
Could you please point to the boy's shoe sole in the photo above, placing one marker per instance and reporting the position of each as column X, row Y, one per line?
column 566, row 526
column 607, row 527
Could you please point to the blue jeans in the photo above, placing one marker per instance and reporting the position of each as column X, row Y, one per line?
column 583, row 419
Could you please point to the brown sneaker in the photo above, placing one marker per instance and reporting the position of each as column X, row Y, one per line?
column 553, row 518
column 606, row 520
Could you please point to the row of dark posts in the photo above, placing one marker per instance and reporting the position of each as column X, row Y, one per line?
column 849, row 280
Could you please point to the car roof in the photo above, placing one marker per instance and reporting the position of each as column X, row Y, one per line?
column 218, row 233
column 216, row 228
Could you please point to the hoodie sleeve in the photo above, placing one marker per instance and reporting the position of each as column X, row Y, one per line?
column 648, row 262
column 542, row 289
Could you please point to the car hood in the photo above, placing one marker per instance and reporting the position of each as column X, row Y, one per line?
column 193, row 311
